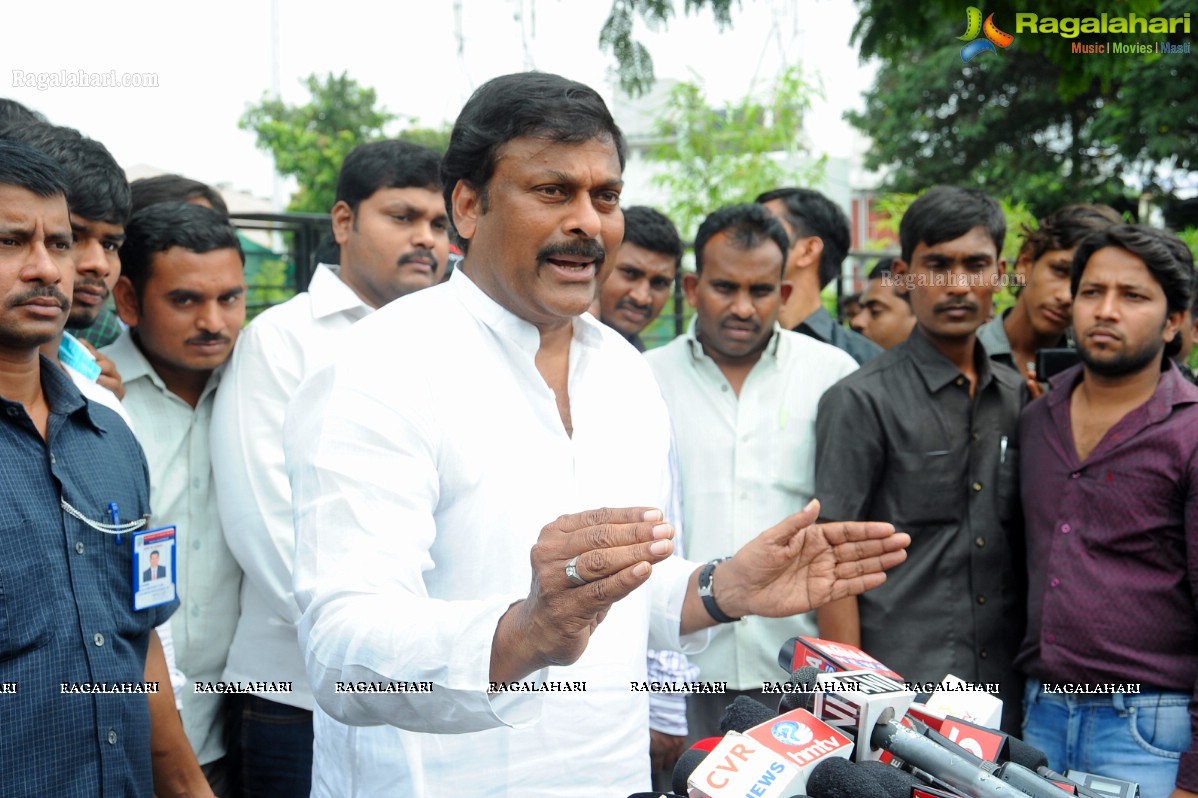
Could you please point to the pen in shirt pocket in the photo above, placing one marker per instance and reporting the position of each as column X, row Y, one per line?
column 114, row 512
column 1002, row 449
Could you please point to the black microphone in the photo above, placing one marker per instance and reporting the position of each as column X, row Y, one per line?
column 799, row 691
column 839, row 778
column 689, row 761
column 893, row 780
column 744, row 713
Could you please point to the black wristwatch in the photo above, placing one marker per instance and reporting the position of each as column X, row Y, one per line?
column 705, row 592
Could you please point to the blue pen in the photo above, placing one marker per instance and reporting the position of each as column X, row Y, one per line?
column 115, row 512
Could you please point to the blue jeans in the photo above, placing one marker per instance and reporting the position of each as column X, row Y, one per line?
column 273, row 748
column 1123, row 736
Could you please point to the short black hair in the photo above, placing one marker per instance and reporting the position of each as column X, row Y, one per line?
column 156, row 228
column 534, row 104
column 174, row 188
column 13, row 111
column 810, row 213
column 946, row 213
column 25, row 167
column 386, row 164
column 1166, row 256
column 1065, row 227
column 96, row 184
column 883, row 268
column 747, row 226
column 652, row 230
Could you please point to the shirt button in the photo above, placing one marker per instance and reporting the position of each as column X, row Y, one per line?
column 98, row 639
column 53, row 459
column 979, row 542
column 977, row 487
column 1054, row 583
column 981, row 599
column 744, row 438
column 13, row 412
column 112, row 736
column 1075, row 475
column 195, row 544
column 195, row 483
column 79, row 547
column 195, row 612
column 960, row 380
column 973, row 436
column 1066, row 528
column 1050, row 638
column 983, row 653
column 724, row 388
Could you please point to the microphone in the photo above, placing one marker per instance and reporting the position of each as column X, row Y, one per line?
column 895, row 781
column 829, row 656
column 802, row 741
column 1106, row 787
column 741, row 766
column 839, row 778
column 856, row 700
column 689, row 761
column 743, row 714
column 799, row 691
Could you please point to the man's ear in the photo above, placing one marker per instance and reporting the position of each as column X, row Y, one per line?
column 127, row 305
column 806, row 252
column 343, row 221
column 690, row 287
column 899, row 270
column 1173, row 325
column 467, row 207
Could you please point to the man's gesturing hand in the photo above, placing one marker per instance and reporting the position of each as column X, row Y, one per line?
column 612, row 551
column 798, row 566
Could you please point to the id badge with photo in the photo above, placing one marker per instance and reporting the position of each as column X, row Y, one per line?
column 153, row 567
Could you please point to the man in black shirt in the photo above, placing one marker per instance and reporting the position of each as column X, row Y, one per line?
column 925, row 437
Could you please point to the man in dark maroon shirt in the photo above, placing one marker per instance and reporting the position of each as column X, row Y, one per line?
column 1110, row 494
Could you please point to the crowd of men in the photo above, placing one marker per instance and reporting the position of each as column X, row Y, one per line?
column 403, row 535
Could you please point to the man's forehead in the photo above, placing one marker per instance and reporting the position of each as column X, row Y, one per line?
column 18, row 203
column 556, row 155
column 96, row 227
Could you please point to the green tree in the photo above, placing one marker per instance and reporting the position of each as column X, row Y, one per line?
column 309, row 142
column 1035, row 122
column 716, row 156
column 634, row 65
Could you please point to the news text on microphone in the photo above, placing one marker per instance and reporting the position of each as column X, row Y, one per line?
column 537, row 687
column 1092, row 689
column 700, row 688
column 383, row 687
column 108, row 688
column 242, row 687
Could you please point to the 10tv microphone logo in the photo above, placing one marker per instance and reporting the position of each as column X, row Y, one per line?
column 992, row 36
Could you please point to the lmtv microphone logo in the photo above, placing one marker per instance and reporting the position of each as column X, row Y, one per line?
column 801, row 738
column 992, row 37
column 789, row 732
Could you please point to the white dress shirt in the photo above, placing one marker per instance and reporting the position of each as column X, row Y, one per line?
column 175, row 439
column 747, row 463
column 424, row 464
column 274, row 354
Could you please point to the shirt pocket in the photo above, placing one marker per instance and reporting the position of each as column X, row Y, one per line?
column 27, row 596
column 927, row 487
column 793, row 455
column 1008, row 486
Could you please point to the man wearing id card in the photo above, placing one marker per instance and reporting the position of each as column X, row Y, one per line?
column 66, row 459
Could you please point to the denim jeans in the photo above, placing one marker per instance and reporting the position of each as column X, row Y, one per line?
column 273, row 748
column 1121, row 736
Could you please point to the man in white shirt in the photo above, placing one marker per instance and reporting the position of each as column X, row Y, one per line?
column 742, row 394
column 421, row 475
column 392, row 228
column 182, row 293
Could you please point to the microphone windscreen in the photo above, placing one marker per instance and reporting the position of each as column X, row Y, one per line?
column 744, row 713
column 1025, row 754
column 684, row 767
column 800, row 690
column 894, row 781
column 839, row 778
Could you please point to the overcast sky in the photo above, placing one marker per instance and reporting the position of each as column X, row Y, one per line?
column 213, row 59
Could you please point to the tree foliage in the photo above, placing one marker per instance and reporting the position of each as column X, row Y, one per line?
column 310, row 141
column 634, row 64
column 1036, row 122
column 717, row 156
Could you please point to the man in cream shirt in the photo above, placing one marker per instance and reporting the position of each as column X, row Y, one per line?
column 392, row 229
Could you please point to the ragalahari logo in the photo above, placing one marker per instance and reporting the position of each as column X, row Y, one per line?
column 993, row 36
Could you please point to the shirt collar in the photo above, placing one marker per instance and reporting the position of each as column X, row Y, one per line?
column 937, row 371
column 62, row 396
column 993, row 336
column 133, row 365
column 820, row 322
column 329, row 295
column 777, row 348
column 524, row 334
column 1171, row 390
